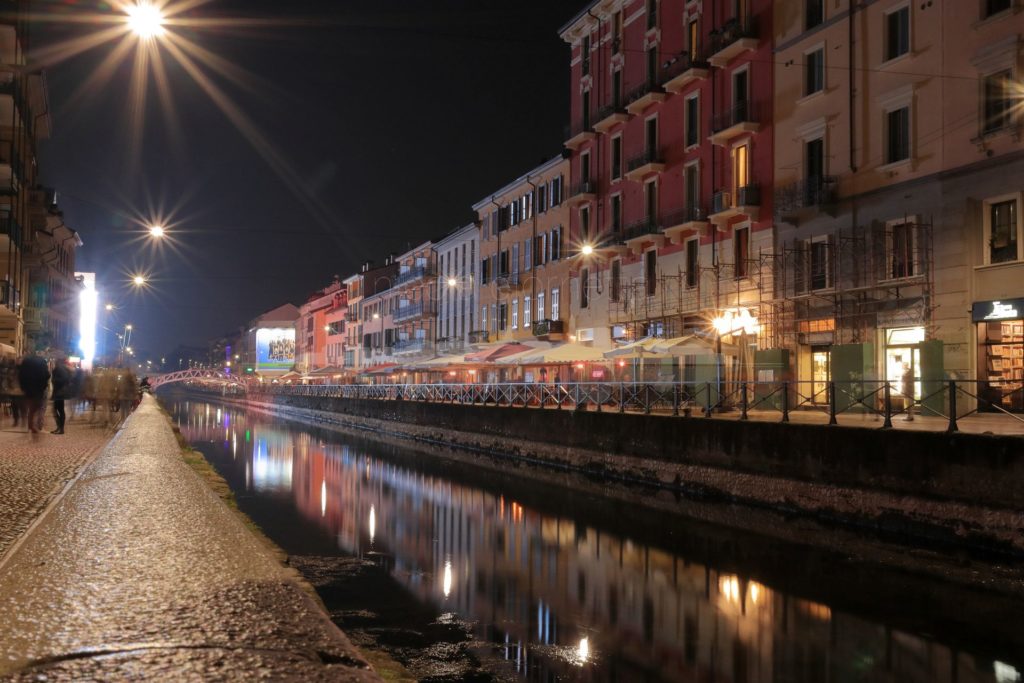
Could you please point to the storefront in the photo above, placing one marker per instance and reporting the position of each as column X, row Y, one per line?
column 1000, row 353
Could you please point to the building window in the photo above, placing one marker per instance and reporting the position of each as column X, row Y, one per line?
column 691, row 186
column 616, row 213
column 814, row 14
column 616, row 157
column 585, row 167
column 897, row 33
column 502, row 317
column 539, row 252
column 997, row 105
column 1003, row 231
column 585, row 113
column 540, row 305
column 692, row 272
column 897, row 133
column 584, row 288
column 617, row 89
column 814, row 71
column 651, row 272
column 515, row 314
column 993, row 7
column 585, row 223
column 617, row 33
column 556, row 244
column 585, row 55
column 527, row 312
column 652, row 65
column 651, row 198
column 652, row 14
column 693, row 40
column 821, row 272
column 741, row 252
column 556, row 191
column 527, row 254
column 555, row 305
column 651, row 137
column 616, row 284
column 692, row 122
column 494, row 317
column 740, row 170
column 902, row 248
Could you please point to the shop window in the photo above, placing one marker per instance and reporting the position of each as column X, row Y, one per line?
column 1001, row 350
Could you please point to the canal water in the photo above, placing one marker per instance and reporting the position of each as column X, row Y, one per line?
column 464, row 574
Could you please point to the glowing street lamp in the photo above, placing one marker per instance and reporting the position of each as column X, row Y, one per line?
column 139, row 280
column 157, row 231
column 109, row 307
column 587, row 249
column 452, row 282
column 145, row 20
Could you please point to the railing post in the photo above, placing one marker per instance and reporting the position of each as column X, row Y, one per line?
column 576, row 396
column 952, row 427
column 598, row 400
column 832, row 403
column 785, row 401
column 743, row 402
column 887, row 397
column 675, row 400
column 622, row 397
column 707, row 403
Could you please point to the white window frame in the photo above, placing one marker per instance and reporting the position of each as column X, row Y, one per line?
column 515, row 314
column 657, row 132
column 820, row 47
column 987, row 232
column 540, row 305
column 890, row 102
column 829, row 281
column 556, row 303
column 896, row 7
column 527, row 313
column 611, row 158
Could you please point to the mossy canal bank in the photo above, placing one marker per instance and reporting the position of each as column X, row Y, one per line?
column 956, row 491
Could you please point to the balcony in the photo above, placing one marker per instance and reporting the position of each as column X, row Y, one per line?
column 351, row 316
column 650, row 162
column 580, row 193
column 549, row 329
column 610, row 116
column 644, row 96
column 682, row 71
column 450, row 345
column 647, row 230
column 10, row 298
column 408, row 347
column 413, row 274
column 420, row 309
column 678, row 223
column 732, row 39
column 725, row 206
column 741, row 119
column 479, row 336
column 507, row 280
column 816, row 192
column 579, row 133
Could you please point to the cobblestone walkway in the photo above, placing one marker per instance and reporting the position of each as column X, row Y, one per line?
column 32, row 472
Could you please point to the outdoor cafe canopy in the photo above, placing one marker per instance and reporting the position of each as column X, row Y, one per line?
column 562, row 354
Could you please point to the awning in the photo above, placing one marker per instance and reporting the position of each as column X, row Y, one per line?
column 639, row 349
column 563, row 353
column 383, row 369
column 693, row 345
column 433, row 364
column 493, row 353
column 329, row 371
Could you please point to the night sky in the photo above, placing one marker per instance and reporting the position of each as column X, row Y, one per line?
column 384, row 121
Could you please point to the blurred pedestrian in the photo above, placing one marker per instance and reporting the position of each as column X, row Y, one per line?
column 89, row 395
column 61, row 378
column 12, row 390
column 33, row 378
column 127, row 392
column 908, row 390
column 106, row 393
column 75, row 390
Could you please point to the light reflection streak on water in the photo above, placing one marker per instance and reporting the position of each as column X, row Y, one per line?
column 559, row 595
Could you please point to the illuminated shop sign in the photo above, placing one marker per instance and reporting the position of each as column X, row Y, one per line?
column 1009, row 309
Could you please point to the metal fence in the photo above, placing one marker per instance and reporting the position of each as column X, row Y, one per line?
column 947, row 399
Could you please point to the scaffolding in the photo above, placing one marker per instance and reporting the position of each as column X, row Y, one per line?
column 841, row 287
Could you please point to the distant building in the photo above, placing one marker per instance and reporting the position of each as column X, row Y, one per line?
column 524, row 274
column 415, row 304
column 458, row 288
column 52, row 302
column 359, row 322
column 312, row 329
column 268, row 345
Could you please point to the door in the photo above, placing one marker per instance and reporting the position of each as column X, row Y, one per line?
column 820, row 362
column 739, row 97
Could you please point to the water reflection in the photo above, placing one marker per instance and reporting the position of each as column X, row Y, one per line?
column 562, row 600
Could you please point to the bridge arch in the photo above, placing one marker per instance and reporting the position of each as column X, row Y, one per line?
column 216, row 376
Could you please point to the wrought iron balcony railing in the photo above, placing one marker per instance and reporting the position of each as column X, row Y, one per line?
column 807, row 193
column 544, row 328
column 649, row 156
column 741, row 112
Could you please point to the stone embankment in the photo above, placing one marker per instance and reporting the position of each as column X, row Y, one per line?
column 964, row 490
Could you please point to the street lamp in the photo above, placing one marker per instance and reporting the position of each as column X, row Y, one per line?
column 587, row 249
column 109, row 307
column 157, row 231
column 139, row 280
column 452, row 282
column 145, row 20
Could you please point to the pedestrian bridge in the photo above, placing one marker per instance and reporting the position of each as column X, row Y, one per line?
column 212, row 376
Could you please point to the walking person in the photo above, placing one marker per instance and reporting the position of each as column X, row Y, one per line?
column 127, row 392
column 908, row 390
column 61, row 379
column 33, row 378
column 12, row 390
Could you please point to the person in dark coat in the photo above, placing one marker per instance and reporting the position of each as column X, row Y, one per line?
column 33, row 377
column 61, row 391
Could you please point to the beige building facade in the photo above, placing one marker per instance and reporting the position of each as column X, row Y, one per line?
column 898, row 178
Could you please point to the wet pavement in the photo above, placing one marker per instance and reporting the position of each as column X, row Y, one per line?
column 34, row 471
column 140, row 572
column 464, row 573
